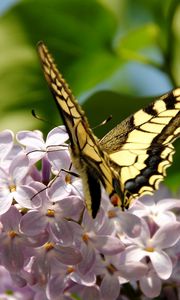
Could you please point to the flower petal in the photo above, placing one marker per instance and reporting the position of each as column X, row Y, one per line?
column 11, row 219
column 107, row 244
column 71, row 207
column 31, row 139
column 150, row 285
column 58, row 190
column 166, row 236
column 132, row 270
column 33, row 223
column 35, row 145
column 88, row 279
column 161, row 263
column 27, row 197
column 167, row 204
column 63, row 231
column 55, row 286
column 12, row 256
column 164, row 218
column 5, row 203
column 57, row 136
column 88, row 261
column 67, row 255
column 59, row 159
column 110, row 288
column 133, row 253
column 19, row 168
column 90, row 293
column 6, row 138
column 130, row 224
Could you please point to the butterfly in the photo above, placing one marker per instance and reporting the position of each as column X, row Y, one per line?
column 131, row 159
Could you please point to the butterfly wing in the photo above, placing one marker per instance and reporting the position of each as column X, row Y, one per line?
column 140, row 147
column 87, row 156
column 132, row 158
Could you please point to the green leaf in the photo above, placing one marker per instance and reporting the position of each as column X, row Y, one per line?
column 83, row 52
column 131, row 45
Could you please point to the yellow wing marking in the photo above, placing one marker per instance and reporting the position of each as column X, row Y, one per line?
column 176, row 93
column 159, row 106
column 141, row 117
column 142, row 151
column 151, row 127
column 137, row 136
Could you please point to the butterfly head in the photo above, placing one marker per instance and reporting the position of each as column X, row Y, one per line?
column 117, row 195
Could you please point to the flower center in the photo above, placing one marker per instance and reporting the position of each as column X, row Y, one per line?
column 68, row 178
column 12, row 234
column 50, row 213
column 70, row 270
column 149, row 249
column 111, row 214
column 49, row 246
column 85, row 238
column 12, row 188
column 9, row 292
column 111, row 269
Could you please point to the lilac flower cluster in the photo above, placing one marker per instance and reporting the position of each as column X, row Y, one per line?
column 50, row 248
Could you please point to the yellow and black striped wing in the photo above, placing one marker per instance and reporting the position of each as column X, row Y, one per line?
column 87, row 156
column 140, row 147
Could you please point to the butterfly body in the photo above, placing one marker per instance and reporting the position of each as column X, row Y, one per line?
column 131, row 159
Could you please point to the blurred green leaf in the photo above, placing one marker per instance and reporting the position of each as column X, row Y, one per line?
column 131, row 45
column 176, row 49
column 79, row 35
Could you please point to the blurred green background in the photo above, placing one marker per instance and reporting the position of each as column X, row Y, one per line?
column 116, row 55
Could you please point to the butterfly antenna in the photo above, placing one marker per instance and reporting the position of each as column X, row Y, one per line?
column 41, row 119
column 48, row 186
column 70, row 173
column 103, row 122
column 33, row 151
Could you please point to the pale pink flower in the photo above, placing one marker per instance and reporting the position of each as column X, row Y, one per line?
column 6, row 142
column 13, row 185
column 36, row 147
column 50, row 244
column 157, row 207
column 154, row 247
